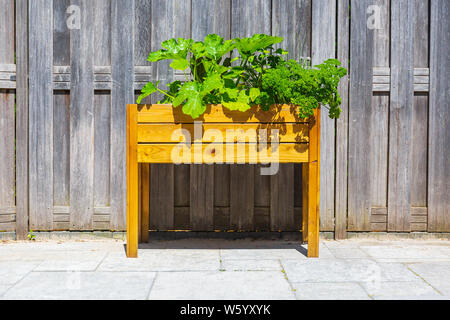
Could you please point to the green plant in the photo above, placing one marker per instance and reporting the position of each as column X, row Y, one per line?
column 31, row 235
column 258, row 75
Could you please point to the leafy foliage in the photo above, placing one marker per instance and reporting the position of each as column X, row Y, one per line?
column 258, row 75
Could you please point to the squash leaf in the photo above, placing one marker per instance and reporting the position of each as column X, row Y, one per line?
column 248, row 46
column 147, row 90
column 215, row 46
column 173, row 50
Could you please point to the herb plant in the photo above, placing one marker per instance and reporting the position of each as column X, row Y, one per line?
column 257, row 75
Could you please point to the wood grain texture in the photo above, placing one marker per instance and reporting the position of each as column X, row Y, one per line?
column 132, row 184
column 323, row 47
column 314, row 186
column 160, row 113
column 379, row 129
column 400, row 115
column 360, row 110
column 22, row 119
column 439, row 132
column 122, row 62
column 343, row 45
column 41, row 114
column 82, row 119
column 419, row 152
column 221, row 153
column 7, row 114
column 240, row 133
column 161, row 196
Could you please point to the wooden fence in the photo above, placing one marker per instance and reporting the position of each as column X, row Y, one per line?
column 68, row 69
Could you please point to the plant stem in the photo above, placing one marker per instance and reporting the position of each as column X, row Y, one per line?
column 163, row 92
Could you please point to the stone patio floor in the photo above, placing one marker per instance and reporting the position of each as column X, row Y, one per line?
column 225, row 269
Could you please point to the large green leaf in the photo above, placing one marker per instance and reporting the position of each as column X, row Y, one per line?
column 191, row 93
column 241, row 103
column 180, row 64
column 211, row 83
column 215, row 46
column 147, row 90
column 248, row 46
column 173, row 50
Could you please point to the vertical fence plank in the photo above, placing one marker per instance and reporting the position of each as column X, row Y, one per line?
column 419, row 152
column 323, row 47
column 379, row 130
column 343, row 38
column 247, row 18
column 41, row 114
column 7, row 180
column 361, row 56
column 439, row 131
column 122, row 92
column 82, row 119
column 21, row 119
column 207, row 17
column 102, row 107
column 400, row 116
column 61, row 117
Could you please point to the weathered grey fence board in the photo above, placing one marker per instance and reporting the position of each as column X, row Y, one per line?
column 323, row 28
column 102, row 107
column 379, row 118
column 361, row 57
column 439, row 117
column 7, row 121
column 401, row 107
column 82, row 119
column 122, row 65
column 22, row 119
column 292, row 19
column 343, row 31
column 41, row 114
column 419, row 154
column 61, row 148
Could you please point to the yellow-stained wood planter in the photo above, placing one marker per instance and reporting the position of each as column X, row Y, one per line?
column 163, row 134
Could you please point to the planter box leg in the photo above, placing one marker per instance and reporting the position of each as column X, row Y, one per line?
column 314, row 186
column 132, row 184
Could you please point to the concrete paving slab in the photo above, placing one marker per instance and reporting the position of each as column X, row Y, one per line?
column 163, row 260
column 72, row 261
column 400, row 290
column 349, row 253
column 404, row 253
column 330, row 291
column 350, row 270
column 251, row 265
column 298, row 252
column 82, row 285
column 435, row 274
column 13, row 271
column 264, row 285
column 3, row 289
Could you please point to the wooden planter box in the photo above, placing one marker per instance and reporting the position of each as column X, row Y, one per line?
column 163, row 134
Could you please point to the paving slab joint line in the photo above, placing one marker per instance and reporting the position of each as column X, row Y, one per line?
column 220, row 261
column 287, row 279
column 418, row 275
column 15, row 283
column 100, row 262
column 151, row 286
